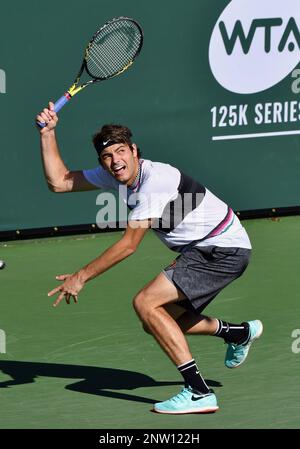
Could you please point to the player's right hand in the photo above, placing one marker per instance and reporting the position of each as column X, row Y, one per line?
column 49, row 117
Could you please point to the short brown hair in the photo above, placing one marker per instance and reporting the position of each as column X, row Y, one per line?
column 114, row 134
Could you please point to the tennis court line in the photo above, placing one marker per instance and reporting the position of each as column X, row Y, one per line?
column 229, row 299
column 57, row 351
column 251, row 136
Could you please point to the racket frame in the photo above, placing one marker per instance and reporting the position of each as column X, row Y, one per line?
column 75, row 88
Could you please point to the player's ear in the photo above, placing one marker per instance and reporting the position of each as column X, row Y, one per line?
column 134, row 150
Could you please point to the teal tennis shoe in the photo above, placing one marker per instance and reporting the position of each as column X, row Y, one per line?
column 188, row 401
column 236, row 354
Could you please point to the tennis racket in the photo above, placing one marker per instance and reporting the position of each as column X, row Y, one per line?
column 110, row 52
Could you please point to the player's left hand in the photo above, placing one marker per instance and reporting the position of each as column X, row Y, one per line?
column 69, row 289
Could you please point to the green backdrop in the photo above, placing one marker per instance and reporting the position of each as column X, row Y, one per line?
column 166, row 98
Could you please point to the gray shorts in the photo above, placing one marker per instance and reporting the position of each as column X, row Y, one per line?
column 202, row 272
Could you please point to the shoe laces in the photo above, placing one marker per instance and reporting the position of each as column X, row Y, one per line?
column 181, row 395
column 237, row 346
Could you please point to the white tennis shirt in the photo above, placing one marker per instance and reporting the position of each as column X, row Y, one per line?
column 184, row 210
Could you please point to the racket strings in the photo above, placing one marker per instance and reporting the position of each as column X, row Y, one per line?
column 114, row 60
column 111, row 55
column 113, row 49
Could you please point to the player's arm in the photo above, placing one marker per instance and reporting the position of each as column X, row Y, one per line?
column 119, row 251
column 59, row 178
column 125, row 247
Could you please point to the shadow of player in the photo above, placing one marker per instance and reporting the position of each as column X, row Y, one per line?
column 93, row 380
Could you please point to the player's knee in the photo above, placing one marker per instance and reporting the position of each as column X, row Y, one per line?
column 138, row 304
column 141, row 305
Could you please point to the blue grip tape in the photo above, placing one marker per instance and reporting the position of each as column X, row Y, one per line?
column 57, row 107
column 61, row 102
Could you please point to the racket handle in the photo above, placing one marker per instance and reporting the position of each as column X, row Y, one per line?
column 62, row 101
column 57, row 106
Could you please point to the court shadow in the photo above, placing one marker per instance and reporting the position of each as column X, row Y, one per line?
column 93, row 380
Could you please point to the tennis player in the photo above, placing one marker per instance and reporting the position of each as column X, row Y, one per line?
column 213, row 250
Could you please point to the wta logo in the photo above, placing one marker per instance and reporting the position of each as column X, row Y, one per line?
column 255, row 44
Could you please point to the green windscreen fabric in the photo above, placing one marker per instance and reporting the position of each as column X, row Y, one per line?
column 215, row 92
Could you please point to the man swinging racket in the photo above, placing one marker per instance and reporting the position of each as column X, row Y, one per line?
column 213, row 247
